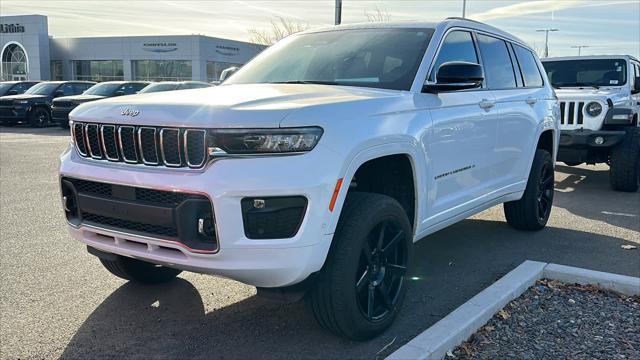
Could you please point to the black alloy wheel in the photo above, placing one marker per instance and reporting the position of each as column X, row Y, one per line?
column 381, row 270
column 545, row 192
column 39, row 117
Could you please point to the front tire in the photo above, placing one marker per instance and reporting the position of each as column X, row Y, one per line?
column 39, row 117
column 139, row 271
column 624, row 171
column 360, row 290
column 532, row 211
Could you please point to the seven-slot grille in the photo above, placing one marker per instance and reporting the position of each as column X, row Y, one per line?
column 571, row 112
column 148, row 145
column 63, row 104
column 6, row 102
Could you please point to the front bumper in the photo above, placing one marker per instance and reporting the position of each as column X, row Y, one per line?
column 60, row 115
column 13, row 114
column 580, row 145
column 258, row 262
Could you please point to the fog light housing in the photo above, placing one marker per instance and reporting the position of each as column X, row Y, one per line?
column 273, row 217
column 598, row 140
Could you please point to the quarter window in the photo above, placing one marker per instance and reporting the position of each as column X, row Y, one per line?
column 457, row 46
column 528, row 67
column 497, row 64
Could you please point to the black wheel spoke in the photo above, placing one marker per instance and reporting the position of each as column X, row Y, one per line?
column 396, row 270
column 370, row 301
column 383, row 227
column 382, row 290
column 392, row 243
column 363, row 281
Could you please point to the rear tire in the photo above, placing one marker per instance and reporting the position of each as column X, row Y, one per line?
column 39, row 117
column 360, row 290
column 139, row 271
column 532, row 211
column 624, row 171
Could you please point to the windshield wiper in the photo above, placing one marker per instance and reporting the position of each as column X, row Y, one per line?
column 317, row 82
column 558, row 86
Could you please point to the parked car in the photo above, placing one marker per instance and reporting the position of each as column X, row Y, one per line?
column 599, row 105
column 316, row 166
column 61, row 107
column 34, row 106
column 15, row 87
column 174, row 85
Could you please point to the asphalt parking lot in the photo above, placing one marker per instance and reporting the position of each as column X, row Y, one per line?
column 56, row 300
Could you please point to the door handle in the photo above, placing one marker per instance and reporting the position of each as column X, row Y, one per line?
column 531, row 100
column 486, row 104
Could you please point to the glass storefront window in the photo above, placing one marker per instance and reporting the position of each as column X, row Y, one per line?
column 161, row 70
column 214, row 69
column 56, row 70
column 97, row 70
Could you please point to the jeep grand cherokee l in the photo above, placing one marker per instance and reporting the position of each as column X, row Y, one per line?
column 61, row 107
column 318, row 164
column 34, row 106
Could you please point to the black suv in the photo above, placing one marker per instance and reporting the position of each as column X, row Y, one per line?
column 62, row 106
column 15, row 87
column 34, row 106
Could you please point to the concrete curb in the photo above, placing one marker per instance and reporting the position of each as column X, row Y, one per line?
column 456, row 327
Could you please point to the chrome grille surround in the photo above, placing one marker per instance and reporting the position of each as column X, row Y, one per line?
column 142, row 145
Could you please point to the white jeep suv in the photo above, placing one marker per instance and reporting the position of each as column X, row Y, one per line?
column 315, row 167
column 599, row 105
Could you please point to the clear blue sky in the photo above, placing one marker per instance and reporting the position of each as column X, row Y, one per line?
column 607, row 26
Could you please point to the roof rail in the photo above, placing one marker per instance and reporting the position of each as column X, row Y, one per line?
column 461, row 18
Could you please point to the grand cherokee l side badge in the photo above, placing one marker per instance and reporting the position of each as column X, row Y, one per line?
column 130, row 112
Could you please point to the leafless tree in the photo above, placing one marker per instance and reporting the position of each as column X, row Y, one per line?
column 281, row 27
column 377, row 15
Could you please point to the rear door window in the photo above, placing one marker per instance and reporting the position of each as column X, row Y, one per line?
column 528, row 67
column 457, row 46
column 498, row 69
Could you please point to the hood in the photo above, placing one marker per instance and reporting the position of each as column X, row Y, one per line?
column 24, row 97
column 588, row 93
column 80, row 98
column 225, row 106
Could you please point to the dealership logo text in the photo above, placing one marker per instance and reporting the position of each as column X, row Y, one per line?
column 11, row 28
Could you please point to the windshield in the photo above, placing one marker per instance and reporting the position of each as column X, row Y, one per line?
column 104, row 89
column 592, row 72
column 379, row 58
column 43, row 89
column 4, row 87
column 158, row 87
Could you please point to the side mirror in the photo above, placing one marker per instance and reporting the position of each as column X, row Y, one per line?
column 636, row 86
column 12, row 92
column 118, row 93
column 226, row 73
column 456, row 75
column 58, row 93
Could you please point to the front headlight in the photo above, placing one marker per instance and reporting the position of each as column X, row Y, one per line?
column 263, row 141
column 593, row 109
column 22, row 102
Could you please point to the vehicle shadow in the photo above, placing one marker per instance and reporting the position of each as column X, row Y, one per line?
column 25, row 129
column 451, row 266
column 586, row 193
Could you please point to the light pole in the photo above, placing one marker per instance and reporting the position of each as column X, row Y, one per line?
column 338, row 12
column 464, row 9
column 579, row 47
column 546, row 40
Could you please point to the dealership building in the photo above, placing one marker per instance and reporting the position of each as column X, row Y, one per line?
column 29, row 53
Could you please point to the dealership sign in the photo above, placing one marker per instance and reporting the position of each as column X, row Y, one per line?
column 227, row 50
column 11, row 28
column 160, row 47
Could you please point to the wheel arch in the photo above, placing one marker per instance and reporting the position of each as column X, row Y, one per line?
column 402, row 150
